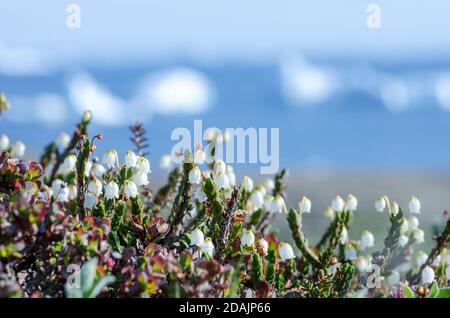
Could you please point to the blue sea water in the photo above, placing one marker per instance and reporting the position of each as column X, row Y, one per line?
column 351, row 130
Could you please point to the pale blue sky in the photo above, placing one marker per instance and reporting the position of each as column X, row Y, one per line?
column 217, row 30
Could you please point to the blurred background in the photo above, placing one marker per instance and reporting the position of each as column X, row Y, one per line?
column 360, row 110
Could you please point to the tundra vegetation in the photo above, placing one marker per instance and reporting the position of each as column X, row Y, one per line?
column 75, row 225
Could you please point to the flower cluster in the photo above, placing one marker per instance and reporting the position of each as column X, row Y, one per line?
column 74, row 225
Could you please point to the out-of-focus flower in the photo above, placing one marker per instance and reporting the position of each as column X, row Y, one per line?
column 427, row 275
column 90, row 201
column 165, row 162
column 200, row 195
column 363, row 264
column 95, row 186
column 394, row 278
column 263, row 245
column 419, row 236
column 247, row 184
column 337, row 204
column 351, row 204
column 68, row 164
column 199, row 156
column 195, row 175
column 208, row 247
column 277, row 205
column 394, row 208
column 87, row 116
column 73, row 191
column 219, row 167
column 403, row 240
column 421, row 258
column 285, row 252
column 329, row 213
column 140, row 179
column 99, row 170
column 143, row 165
column 350, row 253
column 130, row 159
column 344, row 236
column 18, row 150
column 304, row 205
column 110, row 159
column 130, row 189
column 257, row 199
column 63, row 140
column 380, row 204
column 222, row 181
column 229, row 171
column 60, row 190
column 269, row 184
column 268, row 202
column 413, row 223
column 197, row 237
column 4, row 142
column 367, row 240
column 247, row 238
column 414, row 205
column 111, row 190
column 404, row 228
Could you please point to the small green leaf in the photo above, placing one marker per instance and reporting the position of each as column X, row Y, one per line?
column 434, row 291
column 104, row 281
column 443, row 293
column 408, row 291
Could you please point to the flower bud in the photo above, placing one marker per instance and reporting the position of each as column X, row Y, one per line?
column 362, row 264
column 95, row 187
column 87, row 117
column 140, row 179
column 195, row 175
column 4, row 142
column 200, row 195
column 143, row 165
column 329, row 213
column 414, row 205
column 197, row 237
column 208, row 247
column 231, row 176
column 219, row 167
column 427, row 275
column 277, row 205
column 285, row 252
column 419, row 236
column 18, row 150
column 63, row 140
column 304, row 205
column 99, row 170
column 73, row 191
column 394, row 208
column 199, row 157
column 165, row 162
column 337, row 204
column 68, row 164
column 247, row 184
column 351, row 204
column 394, row 278
column 350, row 253
column 111, row 190
column 130, row 189
column 257, row 199
column 344, row 236
column 367, row 240
column 403, row 240
column 269, row 184
column 263, row 246
column 90, row 201
column 130, row 159
column 222, row 181
column 413, row 223
column 421, row 258
column 380, row 204
column 247, row 238
column 110, row 159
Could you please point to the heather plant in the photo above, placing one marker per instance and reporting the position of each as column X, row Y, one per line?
column 78, row 225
